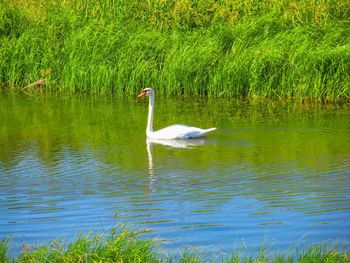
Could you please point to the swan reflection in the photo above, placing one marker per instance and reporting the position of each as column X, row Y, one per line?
column 185, row 143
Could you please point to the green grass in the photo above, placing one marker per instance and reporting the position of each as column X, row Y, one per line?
column 119, row 246
column 122, row 246
column 278, row 49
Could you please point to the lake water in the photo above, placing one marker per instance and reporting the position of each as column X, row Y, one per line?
column 272, row 175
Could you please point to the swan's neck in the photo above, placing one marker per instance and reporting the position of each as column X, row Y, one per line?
column 149, row 128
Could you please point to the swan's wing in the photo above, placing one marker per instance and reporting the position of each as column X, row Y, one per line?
column 180, row 132
column 172, row 132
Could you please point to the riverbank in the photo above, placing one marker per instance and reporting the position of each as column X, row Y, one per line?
column 124, row 246
column 280, row 50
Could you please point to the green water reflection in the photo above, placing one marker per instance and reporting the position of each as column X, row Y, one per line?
column 277, row 133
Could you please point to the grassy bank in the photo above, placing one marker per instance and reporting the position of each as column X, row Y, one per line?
column 270, row 48
column 122, row 246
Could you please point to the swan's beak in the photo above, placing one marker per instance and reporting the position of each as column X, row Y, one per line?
column 143, row 93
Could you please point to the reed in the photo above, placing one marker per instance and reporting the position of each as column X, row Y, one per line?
column 276, row 49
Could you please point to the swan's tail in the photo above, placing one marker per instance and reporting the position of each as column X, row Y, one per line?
column 208, row 130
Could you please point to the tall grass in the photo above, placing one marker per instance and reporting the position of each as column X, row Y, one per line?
column 119, row 246
column 278, row 49
column 122, row 246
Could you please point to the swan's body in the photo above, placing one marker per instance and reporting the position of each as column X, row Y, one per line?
column 172, row 132
column 178, row 131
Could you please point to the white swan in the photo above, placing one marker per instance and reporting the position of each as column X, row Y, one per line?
column 172, row 132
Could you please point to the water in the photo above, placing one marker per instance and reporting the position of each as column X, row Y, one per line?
column 271, row 175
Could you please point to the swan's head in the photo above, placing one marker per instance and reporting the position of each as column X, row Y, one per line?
column 146, row 92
